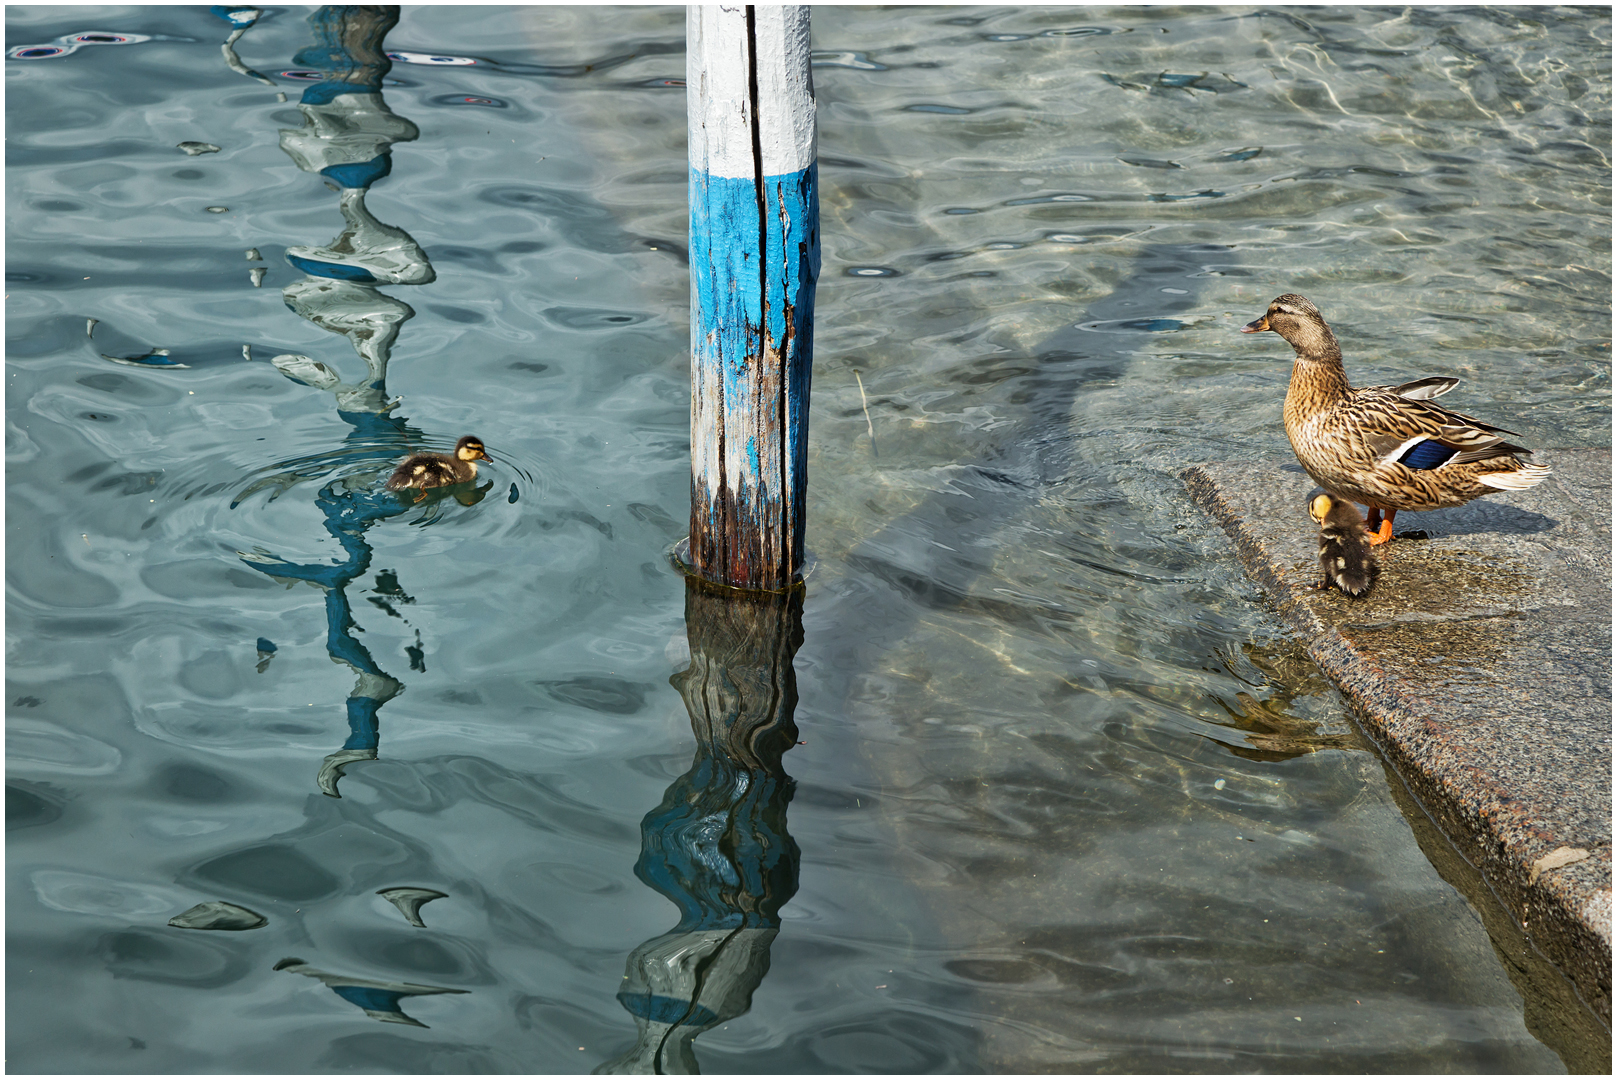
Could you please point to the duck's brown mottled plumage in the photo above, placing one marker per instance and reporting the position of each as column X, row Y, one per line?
column 1388, row 447
column 1345, row 554
column 427, row 470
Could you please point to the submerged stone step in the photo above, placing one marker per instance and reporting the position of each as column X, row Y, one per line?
column 1480, row 663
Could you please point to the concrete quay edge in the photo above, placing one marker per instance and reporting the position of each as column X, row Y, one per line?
column 1480, row 665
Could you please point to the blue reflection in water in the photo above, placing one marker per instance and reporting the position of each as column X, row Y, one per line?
column 346, row 138
column 241, row 19
column 348, row 514
column 380, row 1000
column 717, row 845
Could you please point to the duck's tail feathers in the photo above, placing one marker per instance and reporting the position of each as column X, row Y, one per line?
column 1355, row 580
column 1515, row 479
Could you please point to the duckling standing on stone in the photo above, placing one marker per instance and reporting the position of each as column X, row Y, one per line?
column 1388, row 447
column 1345, row 553
column 428, row 470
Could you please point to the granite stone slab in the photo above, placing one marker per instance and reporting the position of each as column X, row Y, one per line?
column 1480, row 663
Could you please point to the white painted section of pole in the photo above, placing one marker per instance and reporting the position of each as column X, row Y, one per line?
column 716, row 76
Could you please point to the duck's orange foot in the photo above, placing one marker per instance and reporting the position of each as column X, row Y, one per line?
column 1378, row 528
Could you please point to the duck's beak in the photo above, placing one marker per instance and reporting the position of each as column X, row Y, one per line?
column 1257, row 325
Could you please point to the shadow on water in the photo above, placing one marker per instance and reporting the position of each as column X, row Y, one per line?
column 1161, row 295
column 935, row 558
column 1124, row 755
column 717, row 846
column 1271, row 721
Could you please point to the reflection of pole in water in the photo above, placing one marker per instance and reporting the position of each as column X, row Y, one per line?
column 378, row 998
column 347, row 137
column 348, row 514
column 717, row 846
column 241, row 19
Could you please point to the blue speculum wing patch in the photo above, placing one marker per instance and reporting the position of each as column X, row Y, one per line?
column 1426, row 455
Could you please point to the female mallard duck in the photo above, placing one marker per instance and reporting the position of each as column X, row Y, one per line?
column 428, row 470
column 1345, row 554
column 1388, row 447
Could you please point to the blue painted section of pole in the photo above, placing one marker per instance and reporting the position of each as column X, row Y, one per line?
column 755, row 259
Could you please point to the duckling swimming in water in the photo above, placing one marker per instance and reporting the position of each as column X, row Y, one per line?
column 428, row 470
column 1345, row 553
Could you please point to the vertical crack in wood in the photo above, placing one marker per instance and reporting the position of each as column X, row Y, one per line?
column 761, row 570
column 758, row 160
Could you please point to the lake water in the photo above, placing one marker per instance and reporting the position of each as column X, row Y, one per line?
column 1063, row 795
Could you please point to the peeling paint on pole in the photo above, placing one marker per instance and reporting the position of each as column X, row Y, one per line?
column 755, row 258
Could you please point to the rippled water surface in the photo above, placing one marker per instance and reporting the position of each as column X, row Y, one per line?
column 1066, row 797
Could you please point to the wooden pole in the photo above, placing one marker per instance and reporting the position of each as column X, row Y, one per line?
column 755, row 258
